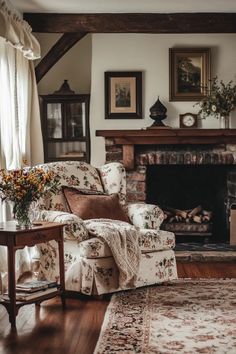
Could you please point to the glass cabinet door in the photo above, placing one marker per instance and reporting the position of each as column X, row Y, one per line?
column 65, row 127
column 54, row 121
column 75, row 120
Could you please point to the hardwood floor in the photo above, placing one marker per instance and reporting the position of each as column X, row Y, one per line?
column 50, row 330
column 206, row 270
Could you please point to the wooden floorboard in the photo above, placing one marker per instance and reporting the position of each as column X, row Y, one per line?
column 50, row 330
column 206, row 270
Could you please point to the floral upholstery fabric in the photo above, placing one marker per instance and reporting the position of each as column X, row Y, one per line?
column 156, row 240
column 73, row 174
column 145, row 216
column 150, row 241
column 48, row 255
column 94, row 248
column 113, row 177
column 100, row 276
column 75, row 227
column 89, row 266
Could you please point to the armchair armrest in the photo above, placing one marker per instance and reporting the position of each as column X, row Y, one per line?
column 145, row 216
column 75, row 227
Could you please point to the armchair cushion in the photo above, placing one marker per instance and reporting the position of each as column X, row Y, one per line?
column 94, row 206
column 145, row 216
column 156, row 240
column 74, row 229
column 150, row 241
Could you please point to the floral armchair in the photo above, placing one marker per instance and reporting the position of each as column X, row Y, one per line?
column 90, row 266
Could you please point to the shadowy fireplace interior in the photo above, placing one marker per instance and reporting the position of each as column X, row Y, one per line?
column 195, row 199
column 195, row 186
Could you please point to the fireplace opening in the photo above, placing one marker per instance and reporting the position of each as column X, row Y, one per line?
column 187, row 188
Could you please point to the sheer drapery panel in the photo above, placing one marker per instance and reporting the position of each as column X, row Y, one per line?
column 19, row 109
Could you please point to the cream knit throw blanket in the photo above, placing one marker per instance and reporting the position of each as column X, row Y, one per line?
column 123, row 240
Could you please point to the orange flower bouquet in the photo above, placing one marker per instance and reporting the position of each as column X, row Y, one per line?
column 24, row 186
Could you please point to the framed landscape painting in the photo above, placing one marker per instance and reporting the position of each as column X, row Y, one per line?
column 189, row 73
column 123, row 94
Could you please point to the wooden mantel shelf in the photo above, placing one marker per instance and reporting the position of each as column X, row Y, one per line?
column 170, row 136
column 163, row 136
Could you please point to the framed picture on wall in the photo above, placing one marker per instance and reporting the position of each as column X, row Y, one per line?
column 189, row 73
column 123, row 95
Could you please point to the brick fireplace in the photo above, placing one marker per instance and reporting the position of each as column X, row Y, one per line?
column 150, row 154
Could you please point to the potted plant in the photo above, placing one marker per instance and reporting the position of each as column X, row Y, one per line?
column 24, row 186
column 219, row 101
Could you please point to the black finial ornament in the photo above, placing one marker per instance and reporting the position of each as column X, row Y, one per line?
column 158, row 113
column 64, row 89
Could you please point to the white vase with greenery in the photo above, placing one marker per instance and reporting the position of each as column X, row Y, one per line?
column 219, row 101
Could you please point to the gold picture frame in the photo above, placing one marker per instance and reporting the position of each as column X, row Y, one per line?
column 123, row 95
column 189, row 73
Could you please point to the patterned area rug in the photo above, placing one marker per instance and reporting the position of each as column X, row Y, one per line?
column 185, row 317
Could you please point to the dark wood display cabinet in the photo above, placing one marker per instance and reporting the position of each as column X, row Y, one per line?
column 65, row 125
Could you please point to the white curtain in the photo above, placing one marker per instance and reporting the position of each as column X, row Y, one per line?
column 9, row 118
column 19, row 109
column 19, row 106
column 20, row 128
column 17, row 31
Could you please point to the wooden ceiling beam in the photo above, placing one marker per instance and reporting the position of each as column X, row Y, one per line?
column 60, row 48
column 133, row 22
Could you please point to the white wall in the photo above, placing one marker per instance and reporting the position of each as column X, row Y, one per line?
column 75, row 65
column 149, row 53
column 87, row 61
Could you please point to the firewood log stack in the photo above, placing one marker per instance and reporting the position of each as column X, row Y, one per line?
column 196, row 215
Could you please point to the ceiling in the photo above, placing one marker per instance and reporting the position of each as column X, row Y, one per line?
column 132, row 6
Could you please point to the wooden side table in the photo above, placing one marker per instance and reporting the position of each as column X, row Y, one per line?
column 15, row 239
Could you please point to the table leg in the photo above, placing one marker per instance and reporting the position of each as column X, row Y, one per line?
column 62, row 269
column 12, row 309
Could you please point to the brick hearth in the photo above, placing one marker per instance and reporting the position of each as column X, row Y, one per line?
column 221, row 154
column 144, row 151
column 138, row 149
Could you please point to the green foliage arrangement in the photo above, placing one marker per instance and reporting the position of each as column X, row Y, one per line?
column 220, row 99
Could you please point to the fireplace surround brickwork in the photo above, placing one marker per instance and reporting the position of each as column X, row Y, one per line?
column 146, row 155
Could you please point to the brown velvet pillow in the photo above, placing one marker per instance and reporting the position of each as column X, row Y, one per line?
column 94, row 206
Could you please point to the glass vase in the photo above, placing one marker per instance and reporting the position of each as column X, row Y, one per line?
column 224, row 122
column 21, row 213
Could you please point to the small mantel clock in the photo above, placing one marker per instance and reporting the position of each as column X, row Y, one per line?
column 188, row 120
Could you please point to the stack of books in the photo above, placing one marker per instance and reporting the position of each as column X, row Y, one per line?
column 33, row 289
